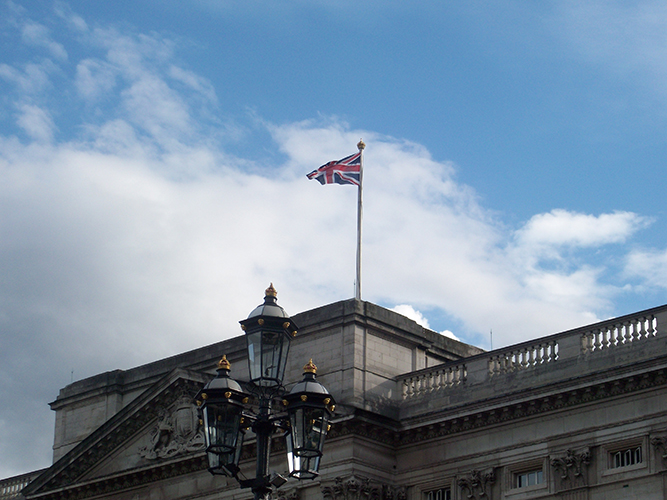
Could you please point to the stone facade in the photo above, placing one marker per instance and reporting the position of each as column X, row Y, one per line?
column 577, row 415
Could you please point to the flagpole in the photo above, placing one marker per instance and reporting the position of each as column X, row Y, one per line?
column 357, row 288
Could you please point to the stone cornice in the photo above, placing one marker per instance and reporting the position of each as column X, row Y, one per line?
column 125, row 480
column 381, row 430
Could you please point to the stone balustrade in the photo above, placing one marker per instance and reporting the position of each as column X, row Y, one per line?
column 524, row 357
column 11, row 487
column 620, row 333
column 629, row 332
column 426, row 381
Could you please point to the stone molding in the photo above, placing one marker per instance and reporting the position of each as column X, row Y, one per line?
column 536, row 406
column 478, row 485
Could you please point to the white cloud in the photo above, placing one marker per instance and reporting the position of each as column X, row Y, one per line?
column 94, row 78
column 410, row 312
column 38, row 35
column 36, row 122
column 648, row 265
column 32, row 80
column 561, row 227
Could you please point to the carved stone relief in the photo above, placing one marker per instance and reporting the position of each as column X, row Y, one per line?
column 362, row 488
column 477, row 485
column 290, row 494
column 571, row 469
column 660, row 445
column 176, row 432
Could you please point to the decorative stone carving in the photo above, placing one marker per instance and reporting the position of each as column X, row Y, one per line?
column 660, row 445
column 477, row 485
column 572, row 469
column 394, row 492
column 292, row 494
column 176, row 432
column 362, row 488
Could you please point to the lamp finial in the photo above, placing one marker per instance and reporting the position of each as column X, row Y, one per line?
column 223, row 364
column 310, row 367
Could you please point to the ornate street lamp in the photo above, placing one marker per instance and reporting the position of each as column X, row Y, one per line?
column 222, row 402
column 310, row 408
column 227, row 411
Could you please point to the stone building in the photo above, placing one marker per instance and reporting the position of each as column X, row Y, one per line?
column 577, row 415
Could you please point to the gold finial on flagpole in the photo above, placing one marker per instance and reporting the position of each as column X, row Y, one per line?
column 361, row 145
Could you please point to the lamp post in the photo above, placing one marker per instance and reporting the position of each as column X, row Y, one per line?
column 228, row 412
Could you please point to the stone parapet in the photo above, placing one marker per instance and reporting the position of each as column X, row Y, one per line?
column 621, row 343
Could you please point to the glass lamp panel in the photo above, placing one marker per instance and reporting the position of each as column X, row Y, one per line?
column 301, row 467
column 222, row 423
column 267, row 356
column 226, row 464
column 254, row 354
column 309, row 428
column 271, row 356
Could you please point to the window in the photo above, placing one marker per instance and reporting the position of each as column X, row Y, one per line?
column 529, row 478
column 441, row 494
column 623, row 458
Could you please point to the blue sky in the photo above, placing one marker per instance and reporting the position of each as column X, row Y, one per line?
column 153, row 161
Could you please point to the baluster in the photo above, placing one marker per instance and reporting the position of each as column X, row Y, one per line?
column 643, row 332
column 628, row 332
column 586, row 343
column 415, row 386
column 598, row 339
column 531, row 356
column 549, row 352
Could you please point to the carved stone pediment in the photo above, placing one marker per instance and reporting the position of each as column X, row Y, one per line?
column 157, row 435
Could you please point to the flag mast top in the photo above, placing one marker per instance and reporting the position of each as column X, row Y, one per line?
column 357, row 285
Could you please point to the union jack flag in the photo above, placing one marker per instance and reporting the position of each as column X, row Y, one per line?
column 345, row 171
